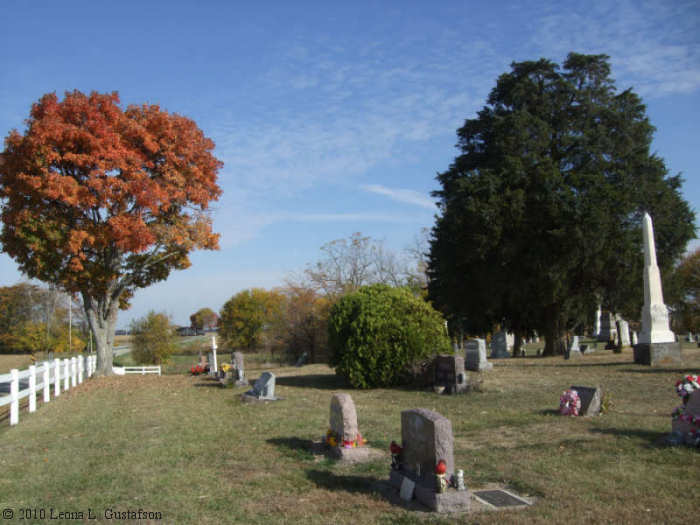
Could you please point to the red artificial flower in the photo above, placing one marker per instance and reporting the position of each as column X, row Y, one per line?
column 395, row 449
column 441, row 467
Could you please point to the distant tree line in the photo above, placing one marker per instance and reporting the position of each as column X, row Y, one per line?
column 36, row 319
column 293, row 319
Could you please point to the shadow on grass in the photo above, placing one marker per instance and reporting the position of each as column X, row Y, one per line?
column 548, row 412
column 209, row 382
column 321, row 381
column 653, row 438
column 328, row 480
column 294, row 447
column 578, row 362
column 659, row 370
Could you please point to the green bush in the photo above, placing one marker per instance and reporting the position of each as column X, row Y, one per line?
column 153, row 339
column 378, row 333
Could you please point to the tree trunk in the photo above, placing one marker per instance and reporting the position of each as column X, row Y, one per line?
column 618, row 338
column 517, row 344
column 102, row 318
column 555, row 338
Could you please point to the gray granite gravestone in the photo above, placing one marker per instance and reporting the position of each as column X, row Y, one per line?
column 238, row 364
column 343, row 423
column 499, row 345
column 450, row 373
column 475, row 355
column 608, row 329
column 427, row 439
column 691, row 408
column 590, row 400
column 263, row 389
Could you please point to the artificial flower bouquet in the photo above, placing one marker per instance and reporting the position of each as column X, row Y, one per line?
column 333, row 440
column 569, row 403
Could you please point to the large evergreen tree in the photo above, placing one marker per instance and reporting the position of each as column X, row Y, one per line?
column 540, row 213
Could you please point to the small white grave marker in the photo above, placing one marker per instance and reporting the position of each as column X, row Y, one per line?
column 213, row 367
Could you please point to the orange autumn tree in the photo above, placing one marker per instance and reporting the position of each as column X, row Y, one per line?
column 102, row 201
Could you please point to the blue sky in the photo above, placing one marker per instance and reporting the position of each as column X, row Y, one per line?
column 332, row 118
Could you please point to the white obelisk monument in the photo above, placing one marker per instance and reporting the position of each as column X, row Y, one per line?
column 598, row 313
column 655, row 327
column 657, row 344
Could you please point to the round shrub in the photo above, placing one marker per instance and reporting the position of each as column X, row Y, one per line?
column 377, row 333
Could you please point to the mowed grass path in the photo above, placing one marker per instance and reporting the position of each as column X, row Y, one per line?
column 184, row 447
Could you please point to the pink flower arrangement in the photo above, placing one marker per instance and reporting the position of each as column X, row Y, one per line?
column 569, row 403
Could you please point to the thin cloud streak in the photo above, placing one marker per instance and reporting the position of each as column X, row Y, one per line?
column 401, row 195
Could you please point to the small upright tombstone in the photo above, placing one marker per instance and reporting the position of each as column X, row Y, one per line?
column 450, row 373
column 426, row 440
column 346, row 442
column 574, row 349
column 303, row 358
column 634, row 338
column 475, row 356
column 690, row 338
column 591, row 399
column 237, row 362
column 263, row 389
column 499, row 345
column 608, row 330
column 510, row 340
column 690, row 409
column 624, row 333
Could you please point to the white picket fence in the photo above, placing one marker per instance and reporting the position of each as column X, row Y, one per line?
column 69, row 371
column 122, row 370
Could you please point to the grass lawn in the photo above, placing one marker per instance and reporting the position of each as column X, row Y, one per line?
column 184, row 447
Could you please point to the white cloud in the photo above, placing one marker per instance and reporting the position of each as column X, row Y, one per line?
column 330, row 109
column 401, row 195
column 653, row 46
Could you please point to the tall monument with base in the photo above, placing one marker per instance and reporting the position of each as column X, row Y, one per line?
column 657, row 344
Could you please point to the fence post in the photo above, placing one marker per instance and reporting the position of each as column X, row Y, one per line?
column 73, row 372
column 14, row 396
column 66, row 374
column 47, row 387
column 32, row 388
column 81, row 366
column 57, row 377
